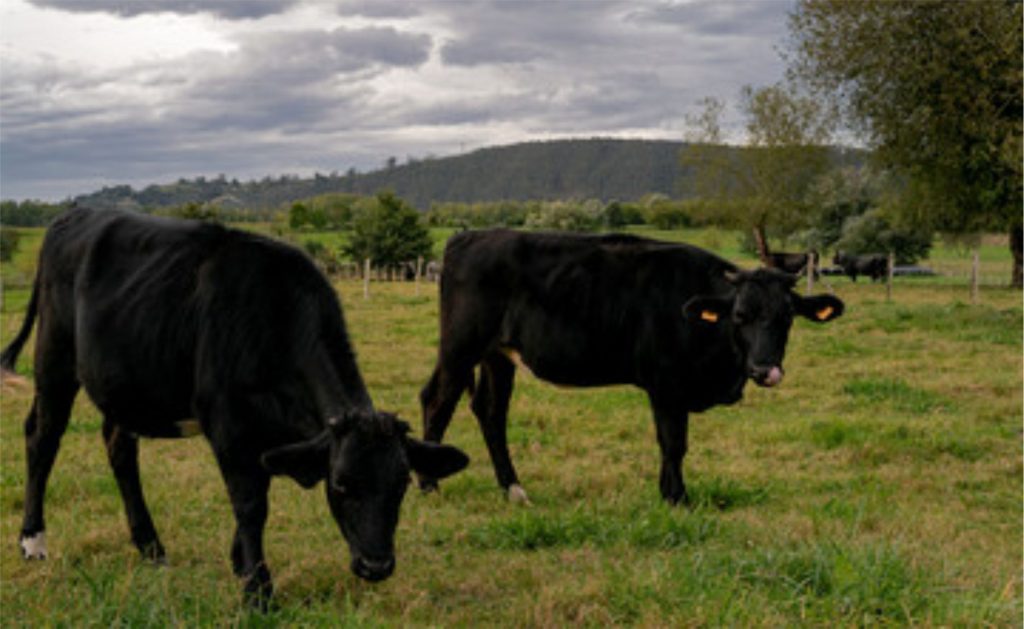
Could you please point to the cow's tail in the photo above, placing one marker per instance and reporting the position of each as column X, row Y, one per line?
column 10, row 353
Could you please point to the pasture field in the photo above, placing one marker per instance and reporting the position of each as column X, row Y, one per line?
column 880, row 484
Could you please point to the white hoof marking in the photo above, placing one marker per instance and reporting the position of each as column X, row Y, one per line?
column 34, row 547
column 517, row 494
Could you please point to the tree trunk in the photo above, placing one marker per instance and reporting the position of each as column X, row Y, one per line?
column 762, row 244
column 1017, row 248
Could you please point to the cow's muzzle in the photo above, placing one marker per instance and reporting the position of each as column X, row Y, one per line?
column 373, row 569
column 766, row 376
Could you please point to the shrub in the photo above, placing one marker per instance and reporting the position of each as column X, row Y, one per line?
column 9, row 241
column 872, row 232
column 387, row 232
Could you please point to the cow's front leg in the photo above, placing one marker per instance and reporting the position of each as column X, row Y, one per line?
column 247, row 486
column 671, row 421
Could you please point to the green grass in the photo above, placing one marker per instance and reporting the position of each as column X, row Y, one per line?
column 881, row 484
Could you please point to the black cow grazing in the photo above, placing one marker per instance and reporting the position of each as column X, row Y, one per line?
column 795, row 263
column 683, row 324
column 162, row 321
column 873, row 265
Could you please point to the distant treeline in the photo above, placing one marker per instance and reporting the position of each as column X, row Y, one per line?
column 28, row 213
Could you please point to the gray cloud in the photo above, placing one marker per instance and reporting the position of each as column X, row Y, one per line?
column 379, row 8
column 228, row 9
column 744, row 18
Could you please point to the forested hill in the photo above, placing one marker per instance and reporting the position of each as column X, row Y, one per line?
column 581, row 169
column 600, row 168
column 604, row 169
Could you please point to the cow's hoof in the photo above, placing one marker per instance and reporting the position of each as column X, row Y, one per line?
column 259, row 591
column 517, row 495
column 154, row 553
column 677, row 500
column 33, row 546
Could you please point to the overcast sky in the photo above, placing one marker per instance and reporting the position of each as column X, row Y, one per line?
column 104, row 92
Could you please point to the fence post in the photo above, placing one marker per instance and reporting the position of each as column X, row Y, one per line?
column 366, row 279
column 889, row 274
column 975, row 276
column 419, row 271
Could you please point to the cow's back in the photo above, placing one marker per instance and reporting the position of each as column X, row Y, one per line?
column 159, row 308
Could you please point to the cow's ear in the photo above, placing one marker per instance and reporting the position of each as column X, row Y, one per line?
column 434, row 460
column 707, row 310
column 306, row 461
column 818, row 308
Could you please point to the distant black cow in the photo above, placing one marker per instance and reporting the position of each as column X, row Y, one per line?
column 795, row 263
column 684, row 325
column 873, row 265
column 162, row 321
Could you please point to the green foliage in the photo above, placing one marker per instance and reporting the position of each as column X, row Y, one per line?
column 838, row 195
column 665, row 214
column 195, row 212
column 617, row 215
column 28, row 213
column 387, row 231
column 9, row 241
column 326, row 211
column 477, row 215
column 947, row 115
column 565, row 216
column 786, row 152
column 872, row 232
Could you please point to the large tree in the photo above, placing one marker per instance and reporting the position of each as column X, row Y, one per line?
column 766, row 182
column 934, row 87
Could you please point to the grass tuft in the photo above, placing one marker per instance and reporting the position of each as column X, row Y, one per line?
column 896, row 393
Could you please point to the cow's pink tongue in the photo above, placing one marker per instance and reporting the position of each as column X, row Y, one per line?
column 774, row 377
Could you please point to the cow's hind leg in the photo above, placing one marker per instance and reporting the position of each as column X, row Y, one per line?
column 439, row 398
column 44, row 427
column 123, row 454
column 490, row 405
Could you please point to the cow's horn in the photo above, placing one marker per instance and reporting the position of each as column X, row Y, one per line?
column 732, row 277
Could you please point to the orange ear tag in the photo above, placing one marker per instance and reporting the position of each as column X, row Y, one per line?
column 709, row 315
column 824, row 313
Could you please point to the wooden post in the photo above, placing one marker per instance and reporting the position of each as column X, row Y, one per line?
column 975, row 276
column 888, row 283
column 366, row 279
column 419, row 272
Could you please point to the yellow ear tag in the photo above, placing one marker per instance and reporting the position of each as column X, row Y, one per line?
column 709, row 315
column 824, row 313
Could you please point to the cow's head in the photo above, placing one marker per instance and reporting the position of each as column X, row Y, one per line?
column 758, row 315
column 366, row 459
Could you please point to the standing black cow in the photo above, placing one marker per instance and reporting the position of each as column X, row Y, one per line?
column 162, row 321
column 873, row 265
column 684, row 325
